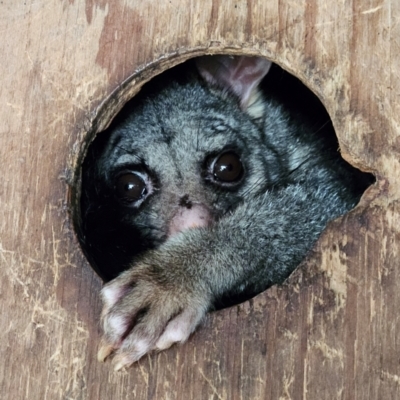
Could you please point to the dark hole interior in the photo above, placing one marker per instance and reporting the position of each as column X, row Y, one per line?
column 109, row 239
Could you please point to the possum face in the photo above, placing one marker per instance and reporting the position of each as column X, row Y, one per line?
column 183, row 159
column 186, row 152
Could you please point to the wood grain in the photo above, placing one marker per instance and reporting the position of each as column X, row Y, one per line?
column 331, row 332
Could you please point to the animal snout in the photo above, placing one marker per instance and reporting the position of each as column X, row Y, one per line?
column 189, row 215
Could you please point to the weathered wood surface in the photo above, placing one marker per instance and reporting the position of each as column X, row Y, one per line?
column 331, row 333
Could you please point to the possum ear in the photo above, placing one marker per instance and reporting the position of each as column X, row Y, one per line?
column 239, row 75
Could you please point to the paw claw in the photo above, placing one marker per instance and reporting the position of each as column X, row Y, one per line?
column 119, row 366
column 141, row 314
column 104, row 351
column 122, row 362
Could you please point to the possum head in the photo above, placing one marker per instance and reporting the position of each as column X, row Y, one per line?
column 190, row 153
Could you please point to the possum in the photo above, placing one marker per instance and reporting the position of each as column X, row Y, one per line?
column 209, row 190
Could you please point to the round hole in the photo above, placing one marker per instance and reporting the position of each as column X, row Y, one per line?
column 165, row 135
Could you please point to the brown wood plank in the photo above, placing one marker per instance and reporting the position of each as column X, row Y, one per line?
column 331, row 332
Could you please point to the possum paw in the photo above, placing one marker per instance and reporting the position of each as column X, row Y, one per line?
column 146, row 309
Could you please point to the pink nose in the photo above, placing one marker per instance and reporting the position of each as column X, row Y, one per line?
column 196, row 216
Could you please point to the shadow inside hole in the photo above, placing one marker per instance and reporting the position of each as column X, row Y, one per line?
column 111, row 242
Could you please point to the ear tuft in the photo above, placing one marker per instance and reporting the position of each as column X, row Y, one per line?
column 239, row 75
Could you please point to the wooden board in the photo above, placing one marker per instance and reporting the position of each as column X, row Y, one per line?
column 331, row 332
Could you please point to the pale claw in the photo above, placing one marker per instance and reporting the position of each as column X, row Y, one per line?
column 104, row 351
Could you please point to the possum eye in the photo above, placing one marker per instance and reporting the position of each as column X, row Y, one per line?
column 227, row 168
column 131, row 187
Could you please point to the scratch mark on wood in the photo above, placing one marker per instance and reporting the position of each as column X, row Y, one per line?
column 290, row 335
column 329, row 353
column 210, row 383
column 144, row 374
column 392, row 377
column 336, row 269
column 372, row 10
column 287, row 383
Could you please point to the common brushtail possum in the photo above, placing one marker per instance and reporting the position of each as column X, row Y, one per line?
column 206, row 190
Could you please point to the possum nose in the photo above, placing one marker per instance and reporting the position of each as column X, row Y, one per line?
column 195, row 216
column 185, row 202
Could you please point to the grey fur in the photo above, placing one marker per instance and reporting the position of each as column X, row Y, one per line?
column 292, row 186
